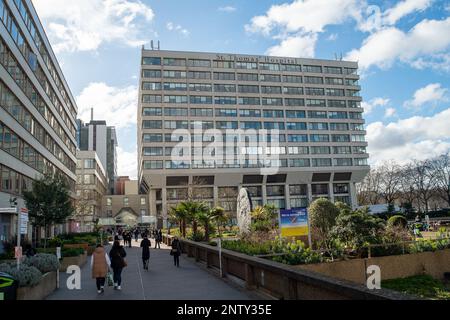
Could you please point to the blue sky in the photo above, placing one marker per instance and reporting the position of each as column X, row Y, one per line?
column 402, row 48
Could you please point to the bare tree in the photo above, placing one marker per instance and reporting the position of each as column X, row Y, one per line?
column 441, row 168
column 389, row 175
column 424, row 181
column 408, row 193
column 369, row 189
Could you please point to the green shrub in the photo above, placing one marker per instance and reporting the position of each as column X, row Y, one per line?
column 72, row 252
column 28, row 276
column 397, row 221
column 43, row 262
column 424, row 286
column 196, row 236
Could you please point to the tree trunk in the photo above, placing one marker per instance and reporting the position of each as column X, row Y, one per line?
column 207, row 231
column 194, row 227
column 184, row 228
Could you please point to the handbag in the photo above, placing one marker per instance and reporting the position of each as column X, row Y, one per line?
column 110, row 279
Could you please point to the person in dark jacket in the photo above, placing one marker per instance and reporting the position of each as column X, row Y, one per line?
column 145, row 245
column 158, row 239
column 117, row 256
column 30, row 251
column 176, row 251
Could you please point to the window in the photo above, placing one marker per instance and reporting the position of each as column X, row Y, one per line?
column 357, row 127
column 274, row 125
column 247, row 77
column 199, row 75
column 337, row 104
column 315, row 103
column 297, row 138
column 248, row 89
column 275, row 191
column 172, row 125
column 317, row 114
column 270, row 78
column 177, row 165
column 342, row 150
column 318, row 126
column 151, row 86
column 200, row 100
column 319, row 138
column 223, row 64
column 250, row 113
column 321, row 162
column 150, row 61
column 147, row 98
column 334, row 81
column 339, row 126
column 294, row 102
column 292, row 79
column 291, row 67
column 314, row 91
column 175, row 112
column 199, row 63
column 319, row 189
column 361, row 162
column 246, row 65
column 351, row 82
column 152, row 124
column 314, row 80
column 272, row 101
column 358, row 138
column 333, row 70
column 298, row 150
column 174, row 62
column 224, row 88
column 341, row 188
column 340, row 138
column 224, row 100
column 175, row 99
column 355, row 115
column 89, row 163
column 273, row 114
column 152, row 137
column 354, row 104
column 126, row 202
column 175, row 74
column 298, row 163
column 359, row 150
column 200, row 87
column 312, row 69
column 153, row 151
column 269, row 66
column 270, row 90
column 343, row 162
column 226, row 124
column 353, row 93
column 295, row 126
column 151, row 74
column 226, row 112
column 224, row 76
column 250, row 125
column 335, row 92
column 293, row 90
column 337, row 115
column 295, row 114
column 201, row 112
column 320, row 150
column 168, row 137
column 109, row 202
column 175, row 86
column 351, row 71
column 204, row 125
column 249, row 101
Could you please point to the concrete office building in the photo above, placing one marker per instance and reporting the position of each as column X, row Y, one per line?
column 97, row 136
column 91, row 186
column 319, row 148
column 37, row 109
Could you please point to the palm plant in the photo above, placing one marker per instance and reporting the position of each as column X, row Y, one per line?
column 191, row 211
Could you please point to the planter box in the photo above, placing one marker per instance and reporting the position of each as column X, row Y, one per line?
column 84, row 246
column 73, row 261
column 41, row 290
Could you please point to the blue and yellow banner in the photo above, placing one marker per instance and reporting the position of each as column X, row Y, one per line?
column 294, row 222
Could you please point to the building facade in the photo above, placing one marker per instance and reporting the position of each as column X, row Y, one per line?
column 91, row 186
column 37, row 109
column 291, row 130
column 97, row 136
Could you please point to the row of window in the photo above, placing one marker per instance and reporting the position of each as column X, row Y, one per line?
column 11, row 104
column 126, row 201
column 90, row 164
column 17, row 73
column 27, row 18
column 281, row 163
column 203, row 63
column 293, row 150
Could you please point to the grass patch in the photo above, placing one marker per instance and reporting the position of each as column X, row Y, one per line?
column 423, row 286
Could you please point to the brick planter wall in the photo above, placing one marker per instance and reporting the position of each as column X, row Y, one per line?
column 73, row 261
column 41, row 290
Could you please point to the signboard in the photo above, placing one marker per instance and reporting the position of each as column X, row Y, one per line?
column 294, row 222
column 18, row 252
column 8, row 210
column 24, row 221
column 58, row 252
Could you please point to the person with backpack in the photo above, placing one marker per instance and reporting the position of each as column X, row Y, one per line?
column 118, row 262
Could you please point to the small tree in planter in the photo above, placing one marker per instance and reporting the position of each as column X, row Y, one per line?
column 323, row 214
column 43, row 262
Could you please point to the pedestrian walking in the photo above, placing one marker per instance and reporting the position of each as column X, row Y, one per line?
column 136, row 235
column 145, row 245
column 100, row 266
column 176, row 252
column 158, row 239
column 118, row 262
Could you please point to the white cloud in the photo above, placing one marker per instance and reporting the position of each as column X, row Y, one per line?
column 177, row 28
column 333, row 37
column 404, row 8
column 413, row 138
column 296, row 46
column 370, row 106
column 390, row 112
column 299, row 23
column 84, row 25
column 228, row 9
column 432, row 93
column 127, row 163
column 437, row 62
column 117, row 106
column 384, row 47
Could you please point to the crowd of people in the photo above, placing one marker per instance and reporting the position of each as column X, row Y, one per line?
column 102, row 263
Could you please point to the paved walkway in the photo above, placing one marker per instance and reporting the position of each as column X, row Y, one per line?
column 163, row 281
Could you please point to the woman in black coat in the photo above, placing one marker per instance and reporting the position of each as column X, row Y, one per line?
column 176, row 251
column 117, row 256
column 145, row 245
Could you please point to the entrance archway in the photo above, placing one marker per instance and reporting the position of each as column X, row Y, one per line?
column 127, row 217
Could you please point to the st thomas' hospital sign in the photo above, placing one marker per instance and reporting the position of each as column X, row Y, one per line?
column 256, row 59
